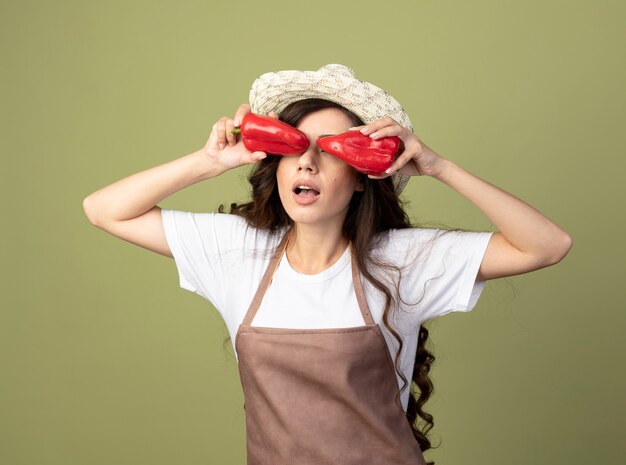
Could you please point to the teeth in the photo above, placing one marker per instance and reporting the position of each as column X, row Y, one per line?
column 302, row 187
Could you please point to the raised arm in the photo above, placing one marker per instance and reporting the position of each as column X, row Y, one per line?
column 128, row 208
column 527, row 240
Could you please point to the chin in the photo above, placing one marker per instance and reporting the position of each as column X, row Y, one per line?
column 303, row 217
column 315, row 217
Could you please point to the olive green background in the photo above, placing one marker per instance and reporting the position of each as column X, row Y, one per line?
column 105, row 360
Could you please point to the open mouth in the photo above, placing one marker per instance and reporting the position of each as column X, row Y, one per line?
column 305, row 191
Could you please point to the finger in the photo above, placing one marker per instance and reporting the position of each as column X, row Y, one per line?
column 232, row 138
column 239, row 114
column 371, row 176
column 221, row 130
column 387, row 131
column 273, row 114
column 378, row 124
column 258, row 156
column 355, row 128
column 399, row 162
column 253, row 157
column 213, row 137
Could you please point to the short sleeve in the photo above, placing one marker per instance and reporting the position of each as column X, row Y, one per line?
column 440, row 269
column 198, row 242
column 468, row 252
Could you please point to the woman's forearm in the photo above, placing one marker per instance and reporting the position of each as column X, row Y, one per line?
column 136, row 194
column 522, row 225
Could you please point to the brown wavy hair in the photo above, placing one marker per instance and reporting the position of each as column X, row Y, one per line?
column 371, row 214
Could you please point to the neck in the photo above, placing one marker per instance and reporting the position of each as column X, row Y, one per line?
column 312, row 249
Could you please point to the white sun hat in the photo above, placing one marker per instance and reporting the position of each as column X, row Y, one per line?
column 337, row 83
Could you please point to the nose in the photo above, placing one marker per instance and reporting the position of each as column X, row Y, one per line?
column 308, row 161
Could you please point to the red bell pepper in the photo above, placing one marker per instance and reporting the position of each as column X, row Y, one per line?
column 269, row 135
column 367, row 155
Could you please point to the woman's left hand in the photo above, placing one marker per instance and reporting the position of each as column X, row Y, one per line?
column 417, row 159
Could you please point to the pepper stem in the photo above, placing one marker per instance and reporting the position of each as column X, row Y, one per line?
column 235, row 131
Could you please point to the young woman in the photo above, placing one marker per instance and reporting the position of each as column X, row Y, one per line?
column 321, row 279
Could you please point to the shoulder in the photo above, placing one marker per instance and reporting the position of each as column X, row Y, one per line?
column 399, row 238
column 398, row 241
column 419, row 244
column 220, row 231
column 237, row 230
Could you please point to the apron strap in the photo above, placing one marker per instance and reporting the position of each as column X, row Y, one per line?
column 265, row 281
column 358, row 289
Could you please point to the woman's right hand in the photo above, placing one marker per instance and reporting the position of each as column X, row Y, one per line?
column 227, row 149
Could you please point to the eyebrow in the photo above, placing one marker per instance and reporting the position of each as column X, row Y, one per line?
column 324, row 135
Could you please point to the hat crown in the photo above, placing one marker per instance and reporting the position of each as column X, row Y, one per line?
column 338, row 70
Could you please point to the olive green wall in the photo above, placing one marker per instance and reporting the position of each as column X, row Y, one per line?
column 104, row 360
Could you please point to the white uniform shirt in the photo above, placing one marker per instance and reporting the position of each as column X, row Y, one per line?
column 221, row 258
